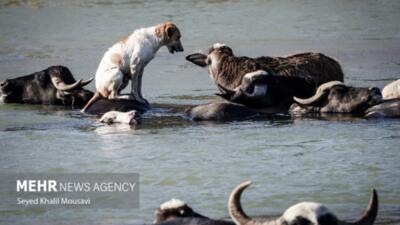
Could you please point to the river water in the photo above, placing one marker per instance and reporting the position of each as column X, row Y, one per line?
column 333, row 160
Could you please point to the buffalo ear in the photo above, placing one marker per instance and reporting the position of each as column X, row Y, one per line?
column 198, row 59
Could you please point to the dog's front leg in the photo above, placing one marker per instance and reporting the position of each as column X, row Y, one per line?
column 136, row 73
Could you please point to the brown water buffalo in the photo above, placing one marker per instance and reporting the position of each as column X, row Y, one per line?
column 303, row 72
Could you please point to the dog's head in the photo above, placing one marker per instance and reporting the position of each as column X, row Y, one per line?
column 170, row 36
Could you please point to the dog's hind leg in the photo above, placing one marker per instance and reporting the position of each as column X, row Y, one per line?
column 94, row 99
column 116, row 85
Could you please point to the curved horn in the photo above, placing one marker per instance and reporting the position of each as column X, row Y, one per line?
column 321, row 91
column 235, row 208
column 369, row 214
column 86, row 82
column 60, row 85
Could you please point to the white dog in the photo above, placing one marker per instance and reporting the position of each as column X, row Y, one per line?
column 126, row 60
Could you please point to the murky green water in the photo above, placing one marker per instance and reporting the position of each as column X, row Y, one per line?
column 332, row 160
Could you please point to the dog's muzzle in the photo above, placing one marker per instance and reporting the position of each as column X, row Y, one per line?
column 175, row 48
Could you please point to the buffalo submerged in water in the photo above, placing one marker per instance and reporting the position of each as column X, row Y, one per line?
column 177, row 212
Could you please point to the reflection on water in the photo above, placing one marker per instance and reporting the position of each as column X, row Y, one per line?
column 328, row 158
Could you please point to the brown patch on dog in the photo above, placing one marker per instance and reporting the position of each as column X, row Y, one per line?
column 117, row 59
column 124, row 39
column 168, row 32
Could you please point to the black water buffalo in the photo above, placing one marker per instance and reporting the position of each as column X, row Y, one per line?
column 52, row 86
column 388, row 108
column 173, row 209
column 177, row 212
column 220, row 111
column 336, row 97
column 259, row 90
column 302, row 74
column 121, row 105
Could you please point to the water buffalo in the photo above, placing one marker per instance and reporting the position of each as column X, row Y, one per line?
column 177, row 212
column 52, row 86
column 195, row 221
column 131, row 117
column 304, row 213
column 173, row 209
column 388, row 108
column 336, row 97
column 220, row 111
column 121, row 105
column 259, row 89
column 308, row 71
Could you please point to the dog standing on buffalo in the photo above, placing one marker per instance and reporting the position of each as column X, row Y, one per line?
column 295, row 75
column 126, row 60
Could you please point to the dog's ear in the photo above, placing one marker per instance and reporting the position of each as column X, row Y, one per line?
column 198, row 59
column 170, row 31
column 166, row 30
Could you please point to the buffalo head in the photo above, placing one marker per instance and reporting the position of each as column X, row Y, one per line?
column 306, row 213
column 174, row 209
column 335, row 97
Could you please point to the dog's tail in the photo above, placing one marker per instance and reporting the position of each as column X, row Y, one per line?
column 93, row 100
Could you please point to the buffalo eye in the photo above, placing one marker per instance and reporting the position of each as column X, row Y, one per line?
column 375, row 91
column 4, row 83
